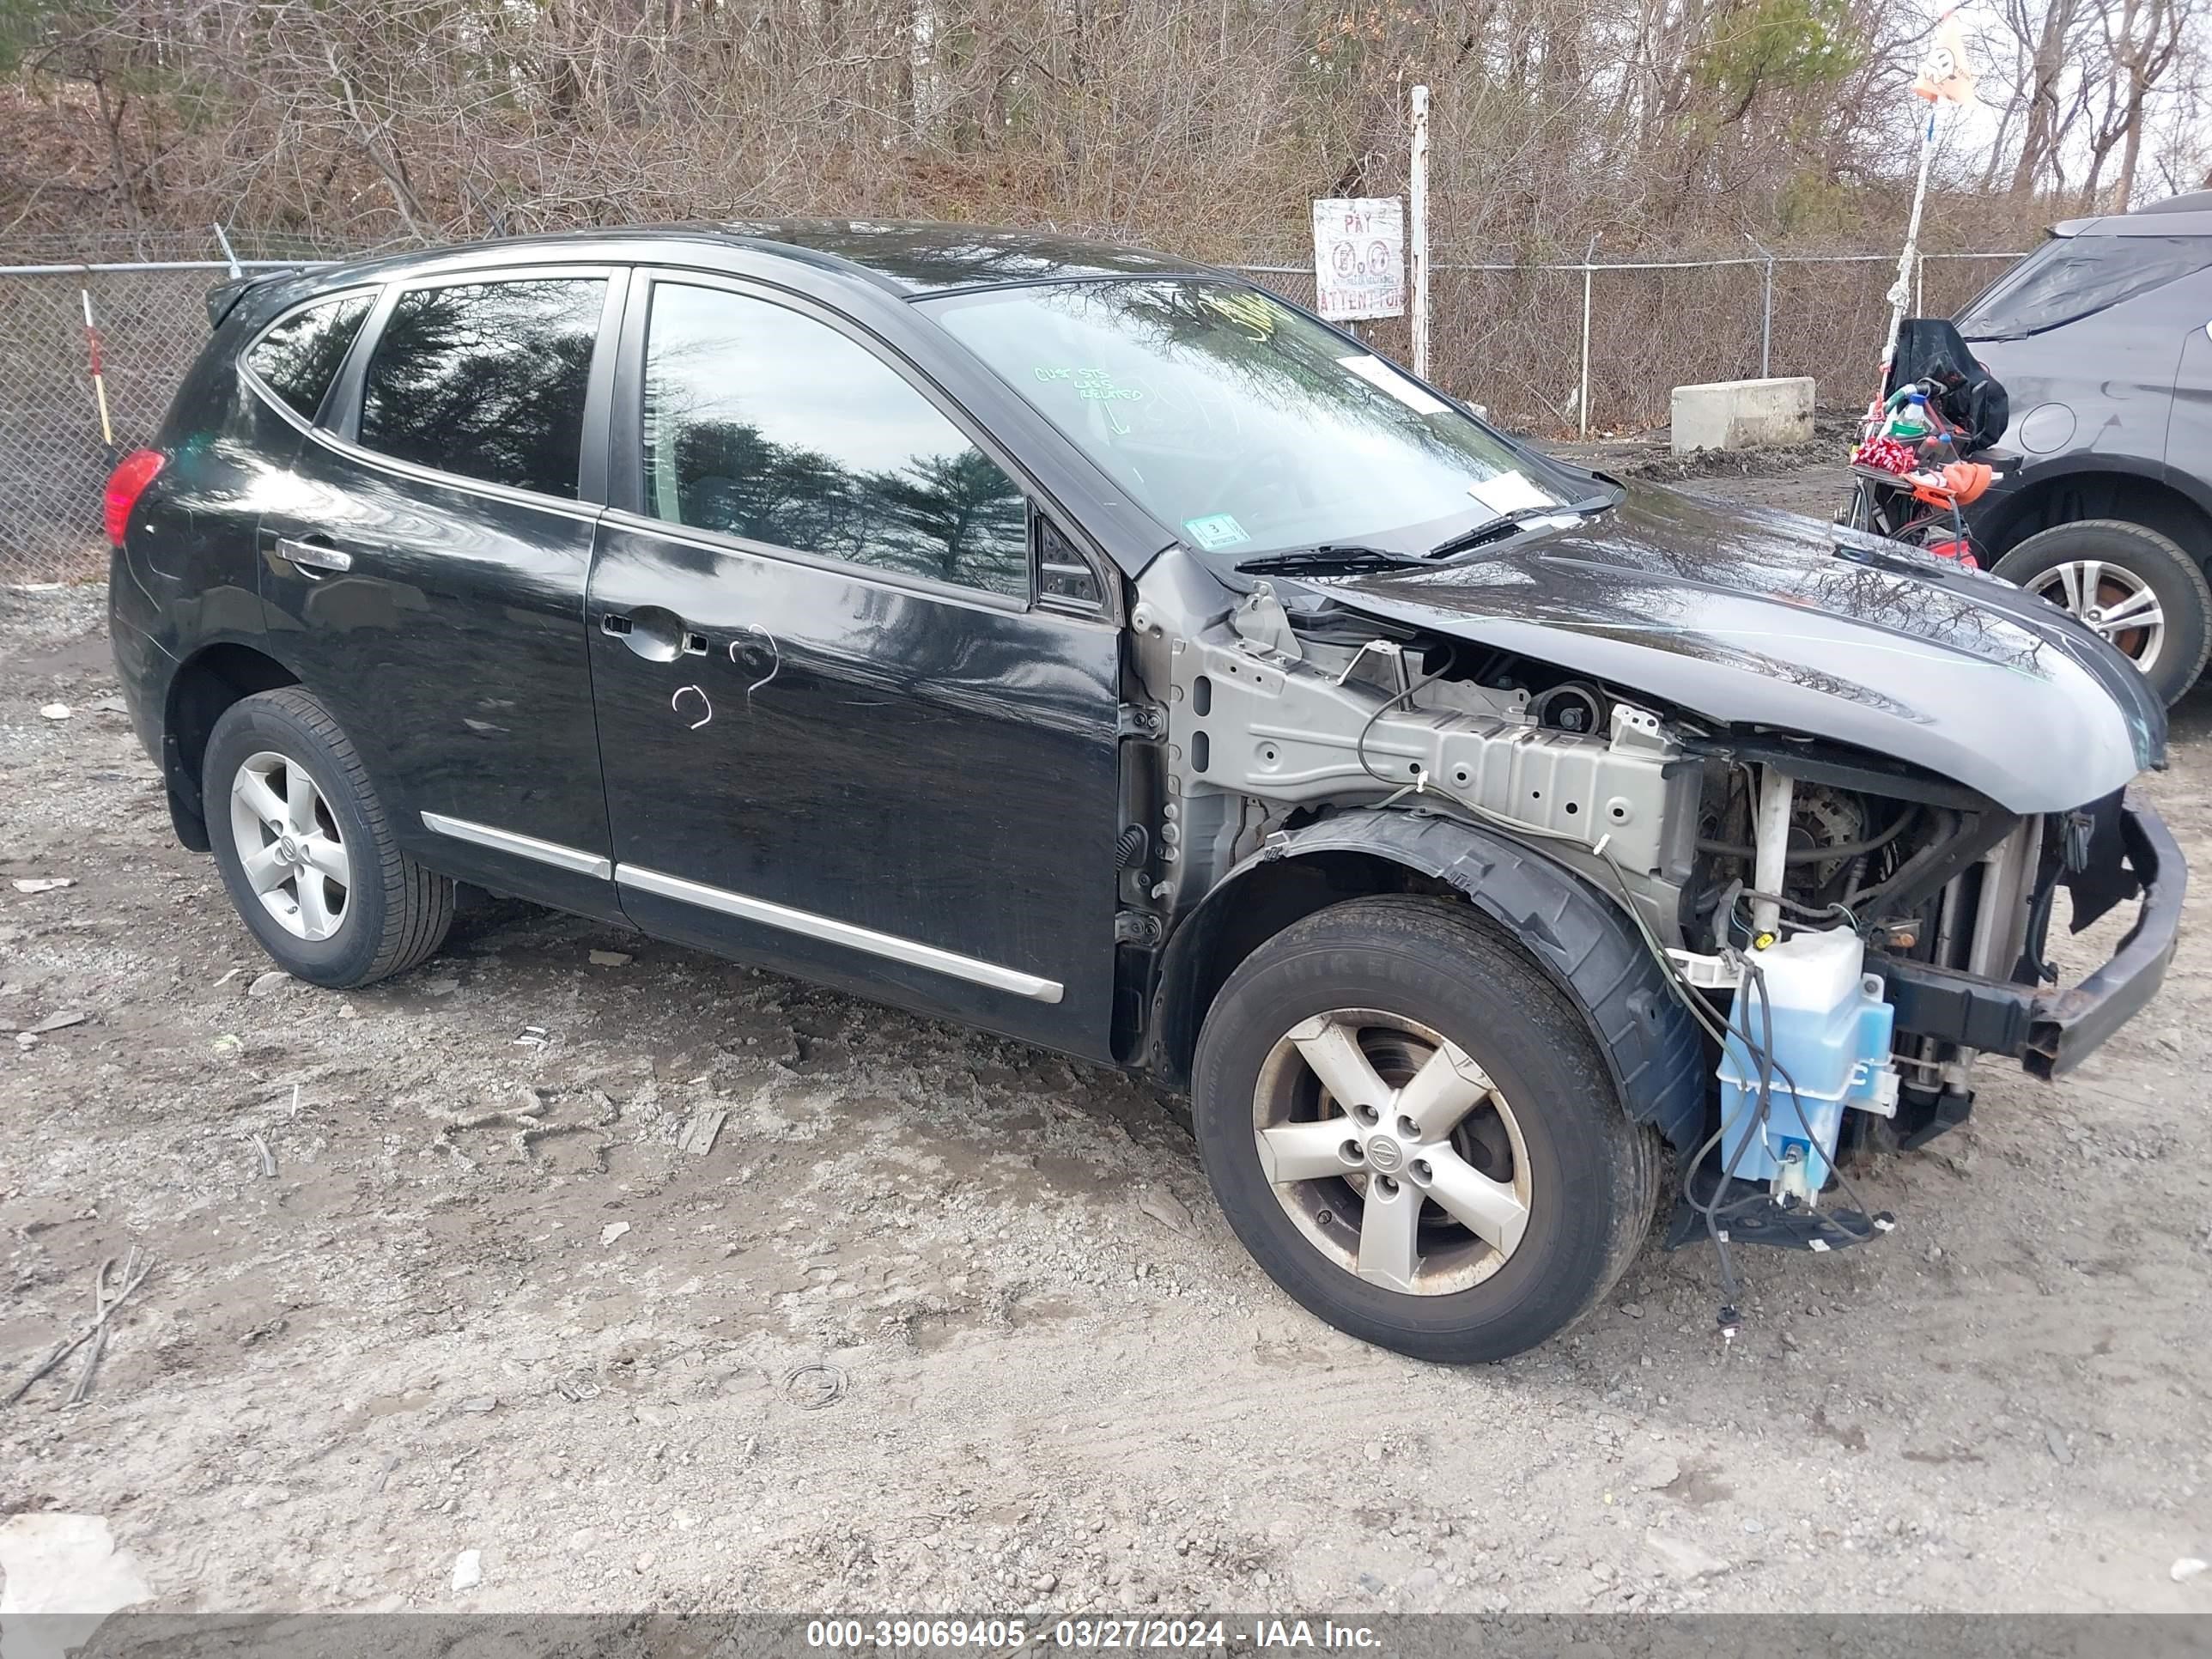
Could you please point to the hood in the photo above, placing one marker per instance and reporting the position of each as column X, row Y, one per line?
column 1754, row 618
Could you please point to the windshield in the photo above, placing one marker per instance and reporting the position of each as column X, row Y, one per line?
column 2070, row 277
column 1245, row 426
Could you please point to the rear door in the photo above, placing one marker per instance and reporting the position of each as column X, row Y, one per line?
column 429, row 553
column 842, row 733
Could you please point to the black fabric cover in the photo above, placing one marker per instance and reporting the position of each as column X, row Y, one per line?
column 1971, row 398
column 2106, row 880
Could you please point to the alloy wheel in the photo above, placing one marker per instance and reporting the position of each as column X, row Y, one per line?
column 1391, row 1150
column 2112, row 599
column 289, row 845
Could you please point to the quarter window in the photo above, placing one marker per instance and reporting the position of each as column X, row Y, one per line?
column 487, row 379
column 764, row 423
column 299, row 358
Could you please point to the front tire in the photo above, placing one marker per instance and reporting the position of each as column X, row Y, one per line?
column 306, row 849
column 2139, row 590
column 1411, row 1130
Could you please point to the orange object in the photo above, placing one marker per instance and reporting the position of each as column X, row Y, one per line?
column 1968, row 480
column 1960, row 484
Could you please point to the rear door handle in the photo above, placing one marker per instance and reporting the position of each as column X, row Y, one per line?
column 312, row 556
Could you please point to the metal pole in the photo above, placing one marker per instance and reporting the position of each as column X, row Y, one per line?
column 98, row 375
column 1920, row 285
column 1770, row 849
column 173, row 264
column 1419, row 232
column 1902, row 290
column 1765, row 311
column 226, row 253
column 1583, row 405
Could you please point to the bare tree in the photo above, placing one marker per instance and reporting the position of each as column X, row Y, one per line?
column 1206, row 125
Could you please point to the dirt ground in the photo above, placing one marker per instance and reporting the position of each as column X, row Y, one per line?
column 1811, row 480
column 938, row 1321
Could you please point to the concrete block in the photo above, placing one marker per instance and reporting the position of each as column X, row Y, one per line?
column 1743, row 414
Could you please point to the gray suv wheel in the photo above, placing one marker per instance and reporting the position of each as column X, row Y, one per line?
column 2138, row 589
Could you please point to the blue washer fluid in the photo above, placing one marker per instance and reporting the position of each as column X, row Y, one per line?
column 1831, row 1033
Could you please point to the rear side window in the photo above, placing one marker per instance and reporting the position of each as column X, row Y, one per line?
column 2070, row 277
column 764, row 423
column 299, row 358
column 487, row 379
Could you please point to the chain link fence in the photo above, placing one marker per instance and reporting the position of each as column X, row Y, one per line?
column 1510, row 336
column 1507, row 337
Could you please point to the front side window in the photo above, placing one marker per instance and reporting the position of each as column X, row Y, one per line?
column 299, row 358
column 1243, row 425
column 2070, row 277
column 487, row 379
column 764, row 423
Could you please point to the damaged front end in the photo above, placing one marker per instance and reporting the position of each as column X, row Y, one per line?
column 1942, row 903
column 1850, row 928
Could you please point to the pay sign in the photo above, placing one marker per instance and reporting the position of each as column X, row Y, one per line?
column 1359, row 258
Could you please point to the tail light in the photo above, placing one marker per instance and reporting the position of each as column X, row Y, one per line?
column 126, row 484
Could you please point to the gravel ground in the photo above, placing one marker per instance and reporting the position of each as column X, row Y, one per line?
column 938, row 1321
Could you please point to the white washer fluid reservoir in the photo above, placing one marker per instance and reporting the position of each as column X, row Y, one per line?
column 1830, row 1039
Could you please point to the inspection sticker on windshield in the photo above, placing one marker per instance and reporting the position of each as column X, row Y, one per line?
column 1216, row 530
column 1510, row 492
column 1376, row 373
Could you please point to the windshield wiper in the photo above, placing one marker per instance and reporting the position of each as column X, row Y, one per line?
column 1326, row 561
column 1497, row 529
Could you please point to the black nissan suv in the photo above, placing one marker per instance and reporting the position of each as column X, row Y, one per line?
column 1087, row 646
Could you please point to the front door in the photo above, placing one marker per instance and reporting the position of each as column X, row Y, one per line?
column 839, row 732
column 428, row 554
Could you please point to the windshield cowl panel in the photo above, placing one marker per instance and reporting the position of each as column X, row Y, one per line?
column 1245, row 426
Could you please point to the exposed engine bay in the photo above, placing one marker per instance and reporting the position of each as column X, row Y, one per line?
column 1852, row 932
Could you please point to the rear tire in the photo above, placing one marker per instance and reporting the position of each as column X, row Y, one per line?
column 1438, row 1007
column 329, row 895
column 2121, row 571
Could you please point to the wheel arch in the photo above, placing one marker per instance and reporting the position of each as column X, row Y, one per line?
column 205, row 684
column 1578, row 938
column 2097, row 488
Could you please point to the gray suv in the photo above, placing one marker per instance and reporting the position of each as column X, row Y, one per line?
column 2100, row 337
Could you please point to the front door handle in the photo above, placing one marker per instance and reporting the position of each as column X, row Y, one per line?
column 656, row 634
column 313, row 557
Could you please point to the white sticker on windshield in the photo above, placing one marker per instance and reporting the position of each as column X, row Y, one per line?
column 1376, row 373
column 1510, row 492
column 1216, row 530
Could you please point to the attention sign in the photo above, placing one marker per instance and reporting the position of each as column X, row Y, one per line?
column 1359, row 258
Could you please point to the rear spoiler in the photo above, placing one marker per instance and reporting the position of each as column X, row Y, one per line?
column 223, row 299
